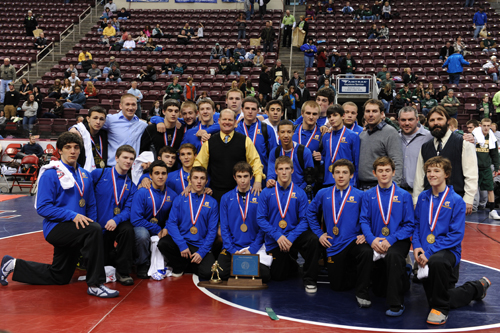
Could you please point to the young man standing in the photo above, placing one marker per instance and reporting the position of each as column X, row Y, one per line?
column 281, row 215
column 192, row 227
column 114, row 192
column 274, row 111
column 325, row 98
column 69, row 213
column 437, row 244
column 300, row 155
column 239, row 229
column 387, row 222
column 308, row 133
column 351, row 116
column 150, row 209
column 179, row 179
column 206, row 120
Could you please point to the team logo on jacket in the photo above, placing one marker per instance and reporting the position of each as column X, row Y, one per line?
column 316, row 137
column 343, row 140
column 447, row 205
column 395, row 199
column 294, row 195
column 254, row 200
column 351, row 199
column 168, row 196
column 206, row 204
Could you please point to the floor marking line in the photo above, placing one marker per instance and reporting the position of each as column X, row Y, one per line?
column 26, row 233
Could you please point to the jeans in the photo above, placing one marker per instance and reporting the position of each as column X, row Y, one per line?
column 368, row 18
column 73, row 106
column 490, row 50
column 106, row 70
column 469, row 3
column 170, row 72
column 49, row 115
column 494, row 76
column 478, row 29
column 122, row 18
column 425, row 111
column 248, row 15
column 235, row 73
column 268, row 47
column 28, row 123
column 387, row 105
column 142, row 243
column 251, row 9
column 4, row 86
column 454, row 78
column 372, row 36
column 387, row 16
column 117, row 80
column 241, row 34
column 309, row 61
column 94, row 80
column 349, row 75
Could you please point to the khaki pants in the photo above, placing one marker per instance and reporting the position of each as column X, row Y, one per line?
column 10, row 111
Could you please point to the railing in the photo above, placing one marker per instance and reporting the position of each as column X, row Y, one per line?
column 20, row 70
column 72, row 26
column 80, row 20
column 39, row 53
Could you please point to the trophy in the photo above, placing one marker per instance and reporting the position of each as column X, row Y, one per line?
column 215, row 271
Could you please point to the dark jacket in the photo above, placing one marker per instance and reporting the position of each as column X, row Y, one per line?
column 40, row 42
column 12, row 98
column 442, row 53
column 86, row 65
column 30, row 24
column 412, row 78
column 275, row 71
column 235, row 66
column 224, row 69
column 382, row 95
column 479, row 106
column 268, row 34
column 323, row 77
column 294, row 82
column 302, row 97
column 265, row 83
column 343, row 65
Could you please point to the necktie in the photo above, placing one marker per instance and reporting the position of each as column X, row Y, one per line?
column 440, row 147
column 226, row 139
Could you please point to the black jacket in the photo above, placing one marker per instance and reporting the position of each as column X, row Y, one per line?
column 412, row 78
column 303, row 97
column 442, row 53
column 323, row 77
column 268, row 35
column 343, row 65
column 30, row 24
column 294, row 83
column 265, row 83
column 275, row 71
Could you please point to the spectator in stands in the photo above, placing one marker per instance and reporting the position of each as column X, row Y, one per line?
column 265, row 82
column 75, row 100
column 262, row 102
column 294, row 81
column 142, row 39
column 367, row 14
column 428, row 103
column 199, row 32
column 287, row 24
column 38, row 98
column 189, row 91
column 148, row 75
column 290, row 103
column 310, row 13
column 129, row 45
column 90, row 91
column 150, row 45
column 234, row 85
column 446, row 51
column 263, row 8
column 217, row 52
column 249, row 57
column 203, row 96
column 347, row 9
column 187, row 29
column 235, row 66
column 279, row 70
column 179, row 69
column 223, row 67
column 451, row 104
column 377, row 10
column 123, row 14
column 30, row 23
column 138, row 94
column 321, row 60
column 485, row 108
column 459, row 45
column 55, row 89
column 455, row 64
column 11, row 101
column 268, row 35
column 41, row 42
column 489, row 44
column 93, row 74
column 348, row 65
column 111, row 6
column 157, row 32
column 303, row 95
column 86, row 64
column 491, row 68
column 406, row 94
column 71, row 69
column 442, row 93
column 112, row 62
column 248, row 8
column 309, row 50
column 388, row 80
column 7, row 75
column 326, row 84
column 30, row 108
column 242, row 25
column 183, row 38
column 328, row 75
column 242, row 85
column 381, row 75
column 155, row 110
column 73, row 79
column 383, row 33
column 66, row 89
column 109, row 31
column 358, row 13
column 107, row 14
column 373, row 32
column 479, row 21
column 385, row 95
column 57, row 111
column 398, row 103
column 386, row 11
column 258, row 60
column 114, row 74
column 25, row 89
column 174, row 90
column 408, row 76
column 115, row 24
column 419, row 92
column 319, row 7
column 104, row 24
column 278, row 82
column 238, row 52
column 167, row 67
column 333, row 58
column 31, row 148
column 430, row 89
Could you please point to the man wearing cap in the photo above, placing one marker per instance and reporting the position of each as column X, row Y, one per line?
column 479, row 21
column 327, row 76
column 381, row 75
column 217, row 52
column 12, row 98
column 112, row 62
column 489, row 44
column 7, row 75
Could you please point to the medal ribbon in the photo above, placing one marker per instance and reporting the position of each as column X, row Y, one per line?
column 283, row 214
column 310, row 139
column 291, row 154
column 117, row 201
column 173, row 139
column 243, row 214
column 336, row 217
column 432, row 222
column 82, row 190
column 195, row 218
column 182, row 180
column 100, row 142
column 254, row 133
column 154, row 203
column 338, row 144
column 388, row 218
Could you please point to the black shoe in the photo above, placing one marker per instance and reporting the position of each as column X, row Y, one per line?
column 142, row 271
column 124, row 279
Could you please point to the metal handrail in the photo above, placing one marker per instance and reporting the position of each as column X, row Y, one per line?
column 80, row 20
column 38, row 54
column 20, row 70
column 62, row 33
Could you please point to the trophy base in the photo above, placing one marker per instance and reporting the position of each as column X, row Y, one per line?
column 215, row 281
column 235, row 284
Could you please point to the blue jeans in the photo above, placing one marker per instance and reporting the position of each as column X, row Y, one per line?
column 349, row 75
column 387, row 105
column 4, row 87
column 309, row 61
column 268, row 47
column 494, row 76
column 469, row 3
column 248, row 15
column 235, row 73
column 372, row 36
column 142, row 245
column 454, row 78
column 490, row 50
column 425, row 111
column 478, row 29
column 368, row 18
column 117, row 80
column 122, row 18
column 28, row 123
column 93, row 80
column 241, row 34
column 72, row 106
column 387, row 16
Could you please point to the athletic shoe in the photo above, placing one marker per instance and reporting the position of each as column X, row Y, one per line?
column 486, row 284
column 494, row 215
column 394, row 312
column 311, row 289
column 177, row 274
column 363, row 303
column 6, row 268
column 436, row 317
column 142, row 271
column 124, row 279
column 102, row 291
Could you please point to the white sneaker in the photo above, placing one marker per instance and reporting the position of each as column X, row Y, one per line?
column 177, row 274
column 102, row 291
column 494, row 215
column 311, row 289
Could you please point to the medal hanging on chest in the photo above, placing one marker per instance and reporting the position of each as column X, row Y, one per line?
column 334, row 155
column 194, row 218
column 154, row 219
column 310, row 139
column 117, row 210
column 282, row 223
column 336, row 217
column 431, row 239
column 165, row 138
column 244, row 213
column 386, row 219
column 81, row 202
column 99, row 151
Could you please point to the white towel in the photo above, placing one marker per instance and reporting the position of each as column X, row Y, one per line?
column 378, row 256
column 87, row 145
column 157, row 261
column 480, row 139
column 423, row 272
column 146, row 156
column 264, row 258
column 65, row 177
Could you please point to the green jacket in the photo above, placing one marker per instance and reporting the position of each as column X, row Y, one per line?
column 450, row 109
column 429, row 103
column 381, row 75
column 486, row 156
column 390, row 81
column 404, row 94
column 174, row 91
column 496, row 101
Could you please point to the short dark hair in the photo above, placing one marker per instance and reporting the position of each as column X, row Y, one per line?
column 68, row 137
column 383, row 160
column 170, row 102
column 188, row 146
column 374, row 102
column 98, row 109
column 123, row 149
column 242, row 167
column 157, row 163
column 440, row 162
column 199, row 169
column 335, row 109
column 343, row 162
column 284, row 122
column 272, row 102
column 166, row 150
column 473, row 122
column 250, row 99
column 328, row 93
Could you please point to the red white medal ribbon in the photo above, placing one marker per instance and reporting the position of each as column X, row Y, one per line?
column 336, row 217
column 243, row 213
column 338, row 144
column 291, row 154
column 310, row 139
column 283, row 213
column 195, row 218
column 384, row 218
column 182, row 180
column 80, row 190
column 117, row 200
column 432, row 222
column 352, row 127
column 100, row 142
column 173, row 139
column 254, row 133
column 154, row 203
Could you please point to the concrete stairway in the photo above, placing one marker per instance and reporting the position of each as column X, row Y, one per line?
column 297, row 58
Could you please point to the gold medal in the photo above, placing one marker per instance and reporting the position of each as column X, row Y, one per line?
column 385, row 231
column 283, row 224
column 330, row 168
column 82, row 202
column 244, row 227
column 194, row 230
column 154, row 220
column 102, row 164
column 116, row 211
column 431, row 238
column 336, row 231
